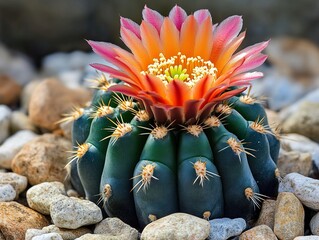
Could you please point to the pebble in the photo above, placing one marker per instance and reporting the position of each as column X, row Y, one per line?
column 99, row 237
column 314, row 224
column 16, row 219
column 177, row 226
column 5, row 114
column 51, row 99
column 48, row 236
column 304, row 121
column 116, row 227
column 302, row 144
column 7, row 193
column 267, row 213
column 261, row 232
column 43, row 159
column 289, row 216
column 27, row 93
column 73, row 213
column 306, row 189
column 20, row 121
column 10, row 90
column 294, row 161
column 307, row 238
column 224, row 228
column 66, row 234
column 18, row 182
column 41, row 196
column 13, row 145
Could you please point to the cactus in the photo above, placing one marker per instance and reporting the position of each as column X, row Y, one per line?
column 177, row 133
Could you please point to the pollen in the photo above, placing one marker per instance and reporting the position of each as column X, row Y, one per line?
column 179, row 67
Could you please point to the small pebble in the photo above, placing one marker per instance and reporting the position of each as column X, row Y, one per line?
column 289, row 216
column 307, row 238
column 7, row 193
column 261, row 232
column 5, row 114
column 73, row 213
column 224, row 228
column 72, row 193
column 48, row 236
column 314, row 224
column 20, row 121
column 18, row 182
column 306, row 189
column 267, row 213
column 99, row 237
column 41, row 196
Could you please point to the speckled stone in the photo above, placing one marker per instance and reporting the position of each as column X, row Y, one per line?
column 18, row 182
column 307, row 238
column 267, row 213
column 48, row 236
column 99, row 237
column 177, row 226
column 7, row 193
column 224, row 228
column 261, row 232
column 314, row 224
column 289, row 217
column 5, row 114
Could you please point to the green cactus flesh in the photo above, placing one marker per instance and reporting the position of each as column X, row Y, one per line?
column 139, row 170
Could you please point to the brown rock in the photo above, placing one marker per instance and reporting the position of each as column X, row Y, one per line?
column 51, row 99
column 16, row 219
column 261, row 232
column 267, row 214
column 9, row 91
column 289, row 217
column 43, row 159
column 294, row 161
column 273, row 119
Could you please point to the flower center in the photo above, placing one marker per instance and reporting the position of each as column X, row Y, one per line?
column 179, row 67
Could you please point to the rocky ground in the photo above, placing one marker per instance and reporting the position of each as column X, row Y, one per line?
column 38, row 202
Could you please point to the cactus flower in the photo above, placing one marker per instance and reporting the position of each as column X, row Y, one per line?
column 182, row 65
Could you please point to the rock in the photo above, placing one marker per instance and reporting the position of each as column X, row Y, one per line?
column 13, row 145
column 224, row 228
column 273, row 119
column 115, row 227
column 48, row 236
column 261, row 232
column 18, row 182
column 98, row 237
column 307, row 238
column 27, row 93
column 66, row 234
column 5, row 114
column 2, row 236
column 304, row 188
column 177, row 226
column 302, row 144
column 7, row 193
column 66, row 128
column 289, row 216
column 41, row 196
column 51, row 99
column 43, row 159
column 267, row 213
column 314, row 224
column 20, row 121
column 304, row 121
column 73, row 213
column 294, row 161
column 10, row 90
column 16, row 219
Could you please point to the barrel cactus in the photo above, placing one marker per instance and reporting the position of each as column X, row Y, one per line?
column 172, row 129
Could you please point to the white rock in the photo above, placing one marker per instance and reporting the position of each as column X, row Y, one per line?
column 32, row 232
column 314, row 224
column 299, row 143
column 20, row 121
column 13, row 145
column 5, row 114
column 7, row 193
column 305, row 189
column 73, row 213
column 312, row 237
column 48, row 236
column 41, row 196
column 18, row 182
column 224, row 228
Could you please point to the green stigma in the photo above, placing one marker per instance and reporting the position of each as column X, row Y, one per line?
column 176, row 72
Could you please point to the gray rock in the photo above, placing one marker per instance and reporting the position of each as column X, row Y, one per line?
column 41, row 196
column 314, row 224
column 116, row 227
column 224, row 228
column 312, row 237
column 48, row 236
column 13, row 145
column 7, row 193
column 5, row 114
column 99, row 237
column 177, row 226
column 32, row 232
column 305, row 189
column 18, row 182
column 73, row 213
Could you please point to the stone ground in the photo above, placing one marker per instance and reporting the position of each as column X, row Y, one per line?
column 38, row 202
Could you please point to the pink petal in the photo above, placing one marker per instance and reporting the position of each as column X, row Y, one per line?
column 251, row 50
column 245, row 78
column 251, row 63
column 201, row 15
column 132, row 26
column 178, row 16
column 153, row 17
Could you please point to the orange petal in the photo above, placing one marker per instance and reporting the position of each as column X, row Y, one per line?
column 204, row 39
column 150, row 39
column 188, row 35
column 169, row 38
column 154, row 84
column 202, row 86
column 178, row 92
